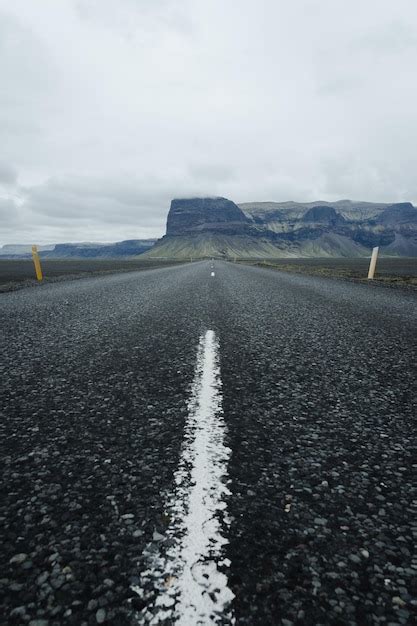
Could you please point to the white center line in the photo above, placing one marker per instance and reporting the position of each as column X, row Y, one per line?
column 186, row 577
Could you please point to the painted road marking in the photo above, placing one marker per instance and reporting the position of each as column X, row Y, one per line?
column 184, row 573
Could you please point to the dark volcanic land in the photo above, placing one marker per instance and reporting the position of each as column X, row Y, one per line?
column 18, row 273
column 319, row 398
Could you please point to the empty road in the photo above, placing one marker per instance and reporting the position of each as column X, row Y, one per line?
column 178, row 447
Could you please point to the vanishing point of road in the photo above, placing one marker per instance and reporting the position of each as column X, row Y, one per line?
column 214, row 445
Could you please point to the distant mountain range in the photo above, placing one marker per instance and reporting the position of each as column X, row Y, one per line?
column 130, row 247
column 204, row 227
column 218, row 227
column 20, row 249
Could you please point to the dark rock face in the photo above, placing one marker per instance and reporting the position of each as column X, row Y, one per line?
column 342, row 228
column 398, row 214
column 323, row 215
column 189, row 215
column 369, row 238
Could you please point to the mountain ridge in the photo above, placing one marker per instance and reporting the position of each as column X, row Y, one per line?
column 218, row 227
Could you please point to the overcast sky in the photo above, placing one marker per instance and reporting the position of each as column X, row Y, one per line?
column 110, row 108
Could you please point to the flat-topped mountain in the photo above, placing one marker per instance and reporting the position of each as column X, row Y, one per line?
column 192, row 215
column 199, row 227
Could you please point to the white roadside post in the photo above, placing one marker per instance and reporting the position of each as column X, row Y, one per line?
column 372, row 264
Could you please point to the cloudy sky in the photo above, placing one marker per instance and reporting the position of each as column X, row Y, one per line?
column 110, row 108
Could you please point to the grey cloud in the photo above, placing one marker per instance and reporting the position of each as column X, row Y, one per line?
column 8, row 174
column 28, row 74
column 11, row 221
column 394, row 37
column 109, row 109
column 138, row 206
column 100, row 200
column 217, row 172
column 8, row 212
column 122, row 16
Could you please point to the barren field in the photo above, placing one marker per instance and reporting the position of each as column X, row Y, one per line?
column 17, row 273
column 400, row 271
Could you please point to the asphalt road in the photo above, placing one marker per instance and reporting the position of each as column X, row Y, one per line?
column 318, row 381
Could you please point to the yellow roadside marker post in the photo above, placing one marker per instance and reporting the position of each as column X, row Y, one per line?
column 37, row 263
column 372, row 264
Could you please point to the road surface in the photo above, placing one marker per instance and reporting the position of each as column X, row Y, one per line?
column 239, row 446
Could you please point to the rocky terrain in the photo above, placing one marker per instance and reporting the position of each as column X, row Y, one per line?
column 319, row 406
column 219, row 227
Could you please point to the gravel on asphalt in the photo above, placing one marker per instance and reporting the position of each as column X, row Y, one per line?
column 319, row 399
